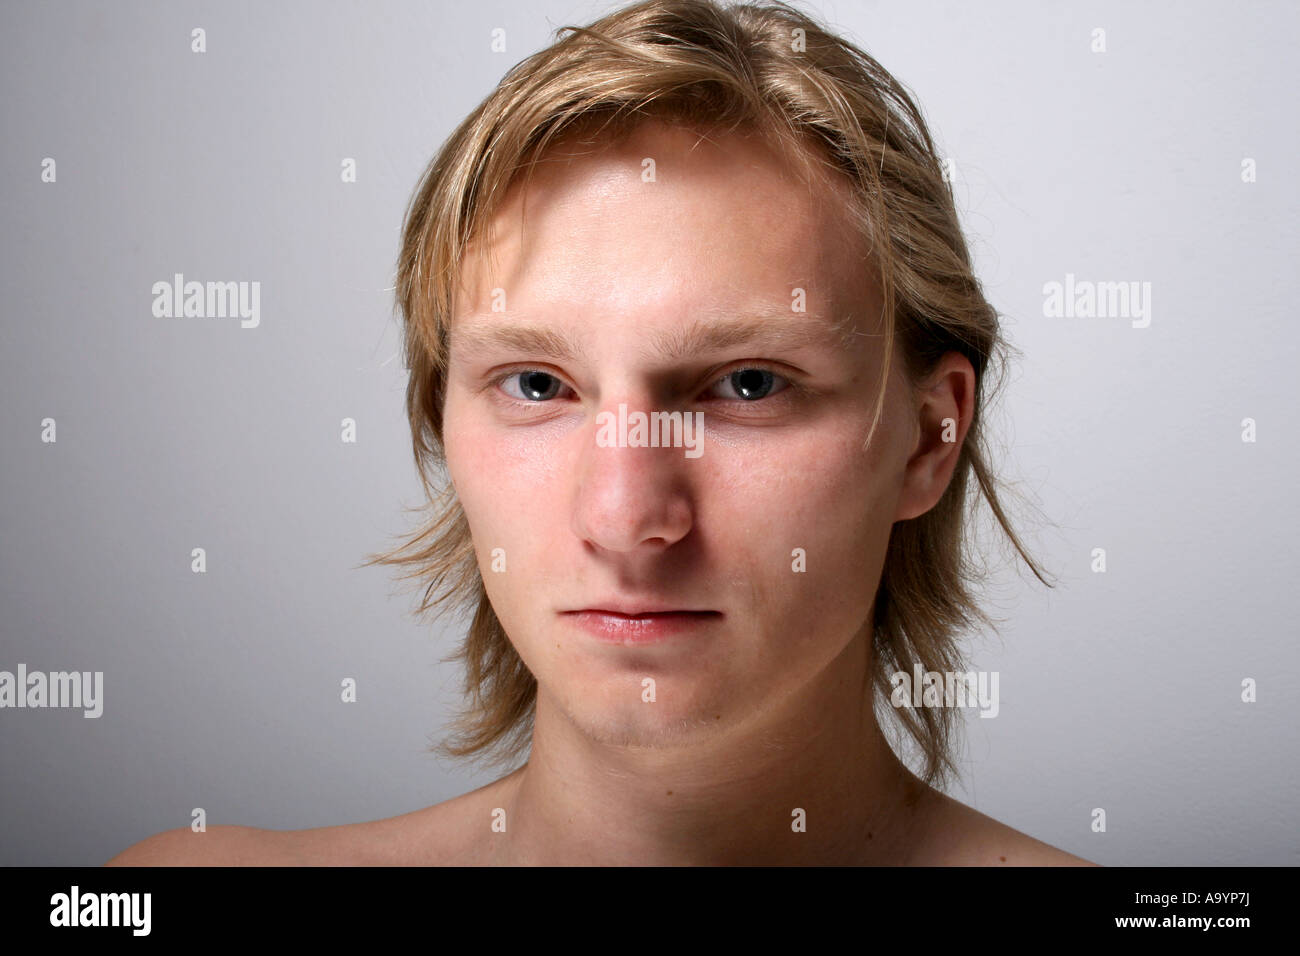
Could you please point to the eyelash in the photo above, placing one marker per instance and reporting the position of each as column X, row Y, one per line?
column 791, row 386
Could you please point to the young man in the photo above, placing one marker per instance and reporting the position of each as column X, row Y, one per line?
column 706, row 384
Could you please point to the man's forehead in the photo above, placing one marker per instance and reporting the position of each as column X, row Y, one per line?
column 746, row 256
column 660, row 171
column 630, row 263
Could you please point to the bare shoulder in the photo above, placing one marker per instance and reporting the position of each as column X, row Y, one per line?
column 410, row 839
column 446, row 833
column 959, row 835
column 215, row 846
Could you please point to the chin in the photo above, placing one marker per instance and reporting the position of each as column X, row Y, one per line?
column 618, row 716
column 647, row 732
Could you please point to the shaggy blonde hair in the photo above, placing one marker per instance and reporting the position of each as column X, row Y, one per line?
column 832, row 110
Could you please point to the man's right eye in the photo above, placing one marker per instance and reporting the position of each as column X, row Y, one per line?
column 534, row 385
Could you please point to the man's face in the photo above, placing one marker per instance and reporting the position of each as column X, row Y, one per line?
column 778, row 525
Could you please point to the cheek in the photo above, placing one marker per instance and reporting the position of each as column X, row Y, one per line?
column 507, row 483
column 453, row 445
column 478, row 462
column 475, row 471
column 817, row 487
column 475, row 468
column 821, row 496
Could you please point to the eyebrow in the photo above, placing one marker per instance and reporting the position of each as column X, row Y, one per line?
column 770, row 327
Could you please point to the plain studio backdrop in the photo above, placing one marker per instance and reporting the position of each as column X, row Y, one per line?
column 1168, row 159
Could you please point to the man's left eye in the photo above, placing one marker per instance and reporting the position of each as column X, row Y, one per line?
column 751, row 384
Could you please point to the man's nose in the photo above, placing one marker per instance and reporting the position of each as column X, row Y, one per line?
column 629, row 493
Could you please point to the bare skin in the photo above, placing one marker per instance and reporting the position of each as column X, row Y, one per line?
column 452, row 834
column 760, row 716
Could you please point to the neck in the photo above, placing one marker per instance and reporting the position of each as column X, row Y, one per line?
column 733, row 798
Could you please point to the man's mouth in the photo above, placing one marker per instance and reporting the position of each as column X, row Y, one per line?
column 643, row 627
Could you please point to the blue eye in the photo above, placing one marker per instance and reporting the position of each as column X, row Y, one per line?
column 534, row 385
column 752, row 384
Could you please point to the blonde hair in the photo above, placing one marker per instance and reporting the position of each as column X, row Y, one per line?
column 830, row 107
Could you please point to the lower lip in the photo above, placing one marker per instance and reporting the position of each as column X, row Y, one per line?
column 643, row 628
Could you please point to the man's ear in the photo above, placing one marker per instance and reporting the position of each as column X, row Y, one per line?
column 944, row 407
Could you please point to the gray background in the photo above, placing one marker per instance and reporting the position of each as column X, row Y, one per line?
column 1119, row 691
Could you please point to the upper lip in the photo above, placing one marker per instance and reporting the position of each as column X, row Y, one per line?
column 633, row 608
